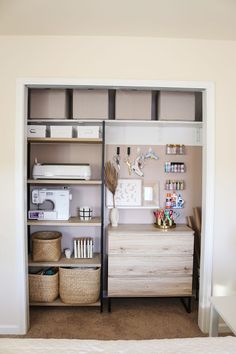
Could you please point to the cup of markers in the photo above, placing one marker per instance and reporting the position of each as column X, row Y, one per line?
column 164, row 219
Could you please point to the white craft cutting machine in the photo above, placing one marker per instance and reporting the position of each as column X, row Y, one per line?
column 61, row 171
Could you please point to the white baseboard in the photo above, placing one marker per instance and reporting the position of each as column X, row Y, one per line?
column 203, row 319
column 8, row 330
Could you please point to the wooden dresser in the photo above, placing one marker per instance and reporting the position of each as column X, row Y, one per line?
column 144, row 261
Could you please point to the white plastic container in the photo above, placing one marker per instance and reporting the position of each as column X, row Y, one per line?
column 89, row 131
column 60, row 131
column 36, row 131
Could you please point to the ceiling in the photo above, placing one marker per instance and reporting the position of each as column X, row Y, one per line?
column 207, row 19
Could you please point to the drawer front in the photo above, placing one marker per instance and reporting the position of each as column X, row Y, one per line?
column 149, row 266
column 151, row 245
column 153, row 286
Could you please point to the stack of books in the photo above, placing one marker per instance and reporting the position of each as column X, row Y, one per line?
column 83, row 247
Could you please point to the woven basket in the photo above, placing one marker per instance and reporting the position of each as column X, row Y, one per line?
column 79, row 286
column 43, row 288
column 46, row 246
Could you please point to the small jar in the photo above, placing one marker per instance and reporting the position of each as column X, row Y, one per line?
column 85, row 213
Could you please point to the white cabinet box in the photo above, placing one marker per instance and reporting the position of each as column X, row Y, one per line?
column 48, row 104
column 90, row 104
column 58, row 131
column 88, row 131
column 133, row 104
column 174, row 105
column 36, row 131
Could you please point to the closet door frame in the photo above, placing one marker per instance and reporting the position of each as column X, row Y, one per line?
column 208, row 179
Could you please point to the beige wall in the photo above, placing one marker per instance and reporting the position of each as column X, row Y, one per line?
column 119, row 58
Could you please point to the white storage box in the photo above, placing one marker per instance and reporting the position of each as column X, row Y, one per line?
column 174, row 105
column 36, row 131
column 133, row 104
column 48, row 104
column 88, row 131
column 58, row 131
column 90, row 104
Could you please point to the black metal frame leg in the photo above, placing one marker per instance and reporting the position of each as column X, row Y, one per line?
column 187, row 305
column 109, row 304
column 101, row 307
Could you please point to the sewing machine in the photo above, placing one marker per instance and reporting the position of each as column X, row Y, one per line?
column 59, row 200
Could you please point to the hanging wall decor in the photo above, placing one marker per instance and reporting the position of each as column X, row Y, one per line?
column 128, row 161
column 128, row 193
column 140, row 160
column 116, row 159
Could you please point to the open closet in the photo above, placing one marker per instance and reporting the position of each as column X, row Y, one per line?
column 153, row 138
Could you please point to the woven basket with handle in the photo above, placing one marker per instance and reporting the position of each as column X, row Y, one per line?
column 77, row 286
column 46, row 246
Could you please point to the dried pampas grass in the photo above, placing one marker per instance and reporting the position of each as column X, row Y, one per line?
column 111, row 179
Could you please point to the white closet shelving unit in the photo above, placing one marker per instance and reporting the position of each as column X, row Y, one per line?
column 74, row 222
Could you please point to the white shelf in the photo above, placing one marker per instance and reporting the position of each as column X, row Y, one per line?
column 64, row 181
column 73, row 221
column 69, row 262
column 137, row 207
column 155, row 133
column 154, row 123
column 64, row 121
column 65, row 140
column 120, row 122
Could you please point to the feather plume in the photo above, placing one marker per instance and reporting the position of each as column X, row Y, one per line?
column 111, row 179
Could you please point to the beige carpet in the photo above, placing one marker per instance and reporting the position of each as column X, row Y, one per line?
column 129, row 319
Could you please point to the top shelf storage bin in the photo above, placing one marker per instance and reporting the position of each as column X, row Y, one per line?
column 48, row 104
column 90, row 104
column 184, row 106
column 133, row 104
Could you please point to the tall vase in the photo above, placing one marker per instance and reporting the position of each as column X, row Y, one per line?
column 114, row 217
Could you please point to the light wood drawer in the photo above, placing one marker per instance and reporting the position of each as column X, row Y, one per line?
column 138, row 287
column 149, row 266
column 151, row 245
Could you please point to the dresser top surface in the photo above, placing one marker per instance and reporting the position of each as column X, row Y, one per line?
column 148, row 229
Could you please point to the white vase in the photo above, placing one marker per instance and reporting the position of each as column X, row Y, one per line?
column 114, row 217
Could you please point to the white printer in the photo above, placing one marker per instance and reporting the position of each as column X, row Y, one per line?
column 61, row 171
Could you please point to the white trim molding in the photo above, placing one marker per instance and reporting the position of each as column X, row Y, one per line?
column 208, row 206
column 21, row 205
column 8, row 330
column 208, row 132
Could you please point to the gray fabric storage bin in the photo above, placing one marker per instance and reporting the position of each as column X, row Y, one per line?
column 173, row 105
column 48, row 104
column 90, row 104
column 133, row 104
